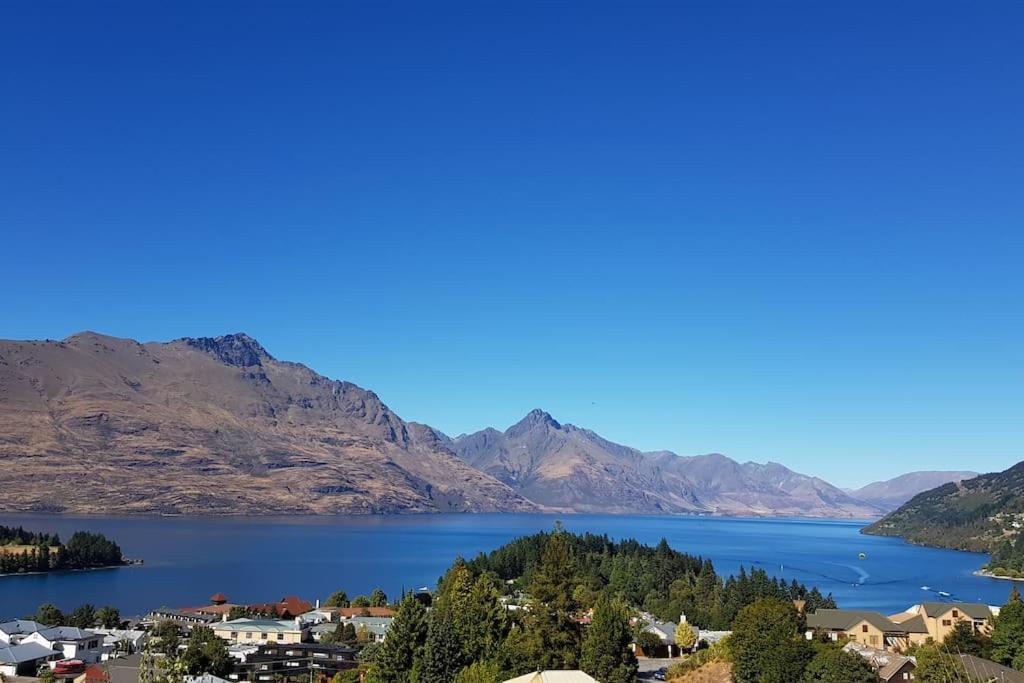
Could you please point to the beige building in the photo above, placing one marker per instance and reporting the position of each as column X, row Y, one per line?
column 940, row 618
column 262, row 631
column 867, row 628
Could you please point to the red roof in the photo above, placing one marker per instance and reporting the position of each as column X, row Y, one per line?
column 218, row 597
column 348, row 612
column 96, row 673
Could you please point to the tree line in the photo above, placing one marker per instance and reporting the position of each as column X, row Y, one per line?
column 84, row 550
column 580, row 594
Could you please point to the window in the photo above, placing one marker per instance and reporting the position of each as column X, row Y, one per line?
column 864, row 628
column 873, row 640
column 234, row 635
column 280, row 636
column 248, row 634
column 956, row 614
column 947, row 622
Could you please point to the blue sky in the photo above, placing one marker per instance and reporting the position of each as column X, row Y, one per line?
column 780, row 231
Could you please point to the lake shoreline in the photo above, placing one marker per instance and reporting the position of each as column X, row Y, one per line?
column 989, row 575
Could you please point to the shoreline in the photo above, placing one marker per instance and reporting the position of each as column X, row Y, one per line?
column 989, row 575
column 68, row 571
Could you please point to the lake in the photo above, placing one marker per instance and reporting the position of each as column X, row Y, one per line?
column 263, row 559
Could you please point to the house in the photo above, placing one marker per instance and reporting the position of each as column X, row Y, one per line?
column 867, row 628
column 205, row 678
column 119, row 641
column 666, row 633
column 940, row 618
column 25, row 659
column 185, row 617
column 983, row 670
column 272, row 662
column 262, row 631
column 889, row 665
column 13, row 632
column 345, row 613
column 574, row 676
column 319, row 616
column 287, row 607
column 71, row 642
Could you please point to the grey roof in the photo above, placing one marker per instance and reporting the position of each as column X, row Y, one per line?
column 982, row 669
column 65, row 633
column 20, row 626
column 26, row 652
column 260, row 625
column 971, row 609
column 894, row 666
column 845, row 619
column 914, row 625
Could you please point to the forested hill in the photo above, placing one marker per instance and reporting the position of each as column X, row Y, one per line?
column 23, row 551
column 979, row 514
column 659, row 580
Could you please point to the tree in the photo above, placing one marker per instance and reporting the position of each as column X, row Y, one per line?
column 84, row 616
column 166, row 637
column 552, row 635
column 395, row 660
column 109, row 617
column 685, row 638
column 765, row 646
column 360, row 601
column 480, row 672
column 378, row 598
column 963, row 640
column 1008, row 632
column 831, row 664
column 442, row 656
column 936, row 666
column 337, row 599
column 606, row 653
column 205, row 653
column 49, row 615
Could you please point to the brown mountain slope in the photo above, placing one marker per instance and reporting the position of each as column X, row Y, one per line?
column 101, row 424
column 892, row 493
column 566, row 467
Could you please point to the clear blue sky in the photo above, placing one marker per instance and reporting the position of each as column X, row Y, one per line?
column 786, row 231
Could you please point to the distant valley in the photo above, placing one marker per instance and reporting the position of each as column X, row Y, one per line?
column 96, row 424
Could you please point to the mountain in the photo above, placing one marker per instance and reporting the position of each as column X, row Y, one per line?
column 892, row 493
column 974, row 514
column 568, row 468
column 212, row 426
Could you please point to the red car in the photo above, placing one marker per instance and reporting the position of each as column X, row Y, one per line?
column 68, row 666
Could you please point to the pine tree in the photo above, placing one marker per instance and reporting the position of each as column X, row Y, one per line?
column 400, row 651
column 764, row 644
column 443, row 654
column 606, row 654
column 552, row 634
column 1008, row 632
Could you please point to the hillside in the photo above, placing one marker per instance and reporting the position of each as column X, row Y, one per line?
column 892, row 493
column 212, row 426
column 974, row 514
column 569, row 468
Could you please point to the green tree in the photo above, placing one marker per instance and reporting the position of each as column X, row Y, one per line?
column 109, row 617
column 1008, row 632
column 765, row 646
column 443, row 655
column 205, row 653
column 606, row 654
column 831, row 664
column 685, row 638
column 49, row 615
column 84, row 616
column 936, row 666
column 360, row 601
column 395, row 660
column 378, row 598
column 480, row 672
column 552, row 635
column 337, row 599
column 166, row 637
column 963, row 640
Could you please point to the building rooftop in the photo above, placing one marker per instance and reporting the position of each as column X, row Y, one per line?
column 20, row 627
column 845, row 619
column 260, row 625
column 26, row 652
column 984, row 670
column 553, row 677
column 972, row 609
column 65, row 633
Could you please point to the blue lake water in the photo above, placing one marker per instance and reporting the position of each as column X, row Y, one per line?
column 264, row 559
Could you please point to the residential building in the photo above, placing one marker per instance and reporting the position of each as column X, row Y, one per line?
column 71, row 642
column 119, row 641
column 983, row 670
column 25, row 659
column 940, row 618
column 300, row 661
column 351, row 612
column 666, row 632
column 573, row 676
column 867, row 628
column 262, row 631
column 13, row 632
column 184, row 617
column 890, row 666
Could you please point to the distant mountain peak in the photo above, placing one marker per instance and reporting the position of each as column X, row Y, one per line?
column 534, row 419
column 232, row 349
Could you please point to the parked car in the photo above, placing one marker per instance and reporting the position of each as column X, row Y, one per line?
column 660, row 674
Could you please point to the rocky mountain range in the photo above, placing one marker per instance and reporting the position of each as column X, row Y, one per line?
column 219, row 426
column 890, row 494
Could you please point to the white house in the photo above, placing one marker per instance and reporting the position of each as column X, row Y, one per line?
column 24, row 659
column 122, row 641
column 71, row 642
column 13, row 632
